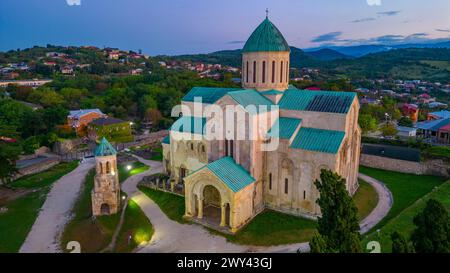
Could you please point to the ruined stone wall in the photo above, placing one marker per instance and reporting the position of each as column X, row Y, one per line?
column 429, row 167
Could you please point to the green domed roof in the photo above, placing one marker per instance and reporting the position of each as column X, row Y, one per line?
column 105, row 148
column 266, row 37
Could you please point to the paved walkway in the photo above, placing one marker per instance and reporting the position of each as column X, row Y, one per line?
column 385, row 201
column 171, row 236
column 56, row 211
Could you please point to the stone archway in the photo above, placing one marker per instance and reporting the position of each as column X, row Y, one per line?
column 104, row 209
column 211, row 205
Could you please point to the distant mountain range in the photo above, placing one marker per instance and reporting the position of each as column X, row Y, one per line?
column 299, row 57
column 423, row 62
column 361, row 50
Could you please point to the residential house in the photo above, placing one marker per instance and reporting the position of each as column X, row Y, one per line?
column 79, row 119
column 116, row 130
column 411, row 111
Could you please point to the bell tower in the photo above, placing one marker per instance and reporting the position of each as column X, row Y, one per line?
column 106, row 193
column 265, row 59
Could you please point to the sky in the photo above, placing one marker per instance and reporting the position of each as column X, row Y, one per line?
column 200, row 26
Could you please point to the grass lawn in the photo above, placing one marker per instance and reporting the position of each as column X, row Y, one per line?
column 22, row 212
column 159, row 156
column 136, row 168
column 366, row 199
column 271, row 228
column 403, row 223
column 172, row 205
column 93, row 236
column 405, row 188
column 136, row 225
column 96, row 235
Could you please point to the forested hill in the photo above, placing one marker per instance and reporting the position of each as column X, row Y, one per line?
column 431, row 64
column 409, row 63
column 299, row 58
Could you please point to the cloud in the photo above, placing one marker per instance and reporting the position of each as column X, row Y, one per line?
column 379, row 40
column 374, row 2
column 328, row 37
column 443, row 30
column 389, row 13
column 363, row 20
column 73, row 2
column 235, row 42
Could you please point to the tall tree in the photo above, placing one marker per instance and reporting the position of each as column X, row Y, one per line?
column 432, row 234
column 9, row 152
column 399, row 243
column 338, row 226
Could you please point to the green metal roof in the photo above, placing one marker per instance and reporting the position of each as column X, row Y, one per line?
column 229, row 172
column 193, row 125
column 251, row 97
column 166, row 140
column 271, row 92
column 209, row 95
column 104, row 148
column 266, row 37
column 318, row 140
column 284, row 128
column 318, row 101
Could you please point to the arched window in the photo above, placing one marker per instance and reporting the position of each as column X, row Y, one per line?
column 254, row 72
column 286, row 186
column 304, row 194
column 246, row 77
column 264, row 72
column 108, row 167
column 203, row 148
column 192, row 146
column 273, row 72
column 101, row 167
column 270, row 181
column 281, row 72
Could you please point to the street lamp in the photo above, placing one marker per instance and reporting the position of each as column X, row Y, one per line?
column 128, row 167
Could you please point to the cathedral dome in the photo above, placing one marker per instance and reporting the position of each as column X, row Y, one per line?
column 266, row 37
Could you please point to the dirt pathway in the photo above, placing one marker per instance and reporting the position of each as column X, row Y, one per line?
column 55, row 212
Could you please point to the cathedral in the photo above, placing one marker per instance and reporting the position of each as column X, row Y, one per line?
column 227, row 180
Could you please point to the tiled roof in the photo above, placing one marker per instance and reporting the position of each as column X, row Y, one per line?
column 318, row 140
column 251, row 97
column 271, row 92
column 284, row 128
column 166, row 140
column 441, row 114
column 318, row 101
column 82, row 112
column 433, row 125
column 229, row 172
column 193, row 125
column 106, row 121
column 209, row 95
column 105, row 148
column 266, row 37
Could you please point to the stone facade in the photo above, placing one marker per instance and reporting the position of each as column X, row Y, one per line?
column 283, row 177
column 106, row 192
column 265, row 70
column 429, row 167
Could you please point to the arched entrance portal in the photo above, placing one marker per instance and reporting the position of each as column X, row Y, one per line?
column 212, row 201
column 104, row 209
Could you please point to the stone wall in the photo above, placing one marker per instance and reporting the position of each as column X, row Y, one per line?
column 41, row 166
column 66, row 146
column 429, row 167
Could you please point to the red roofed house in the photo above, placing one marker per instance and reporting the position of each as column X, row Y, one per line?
column 411, row 111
